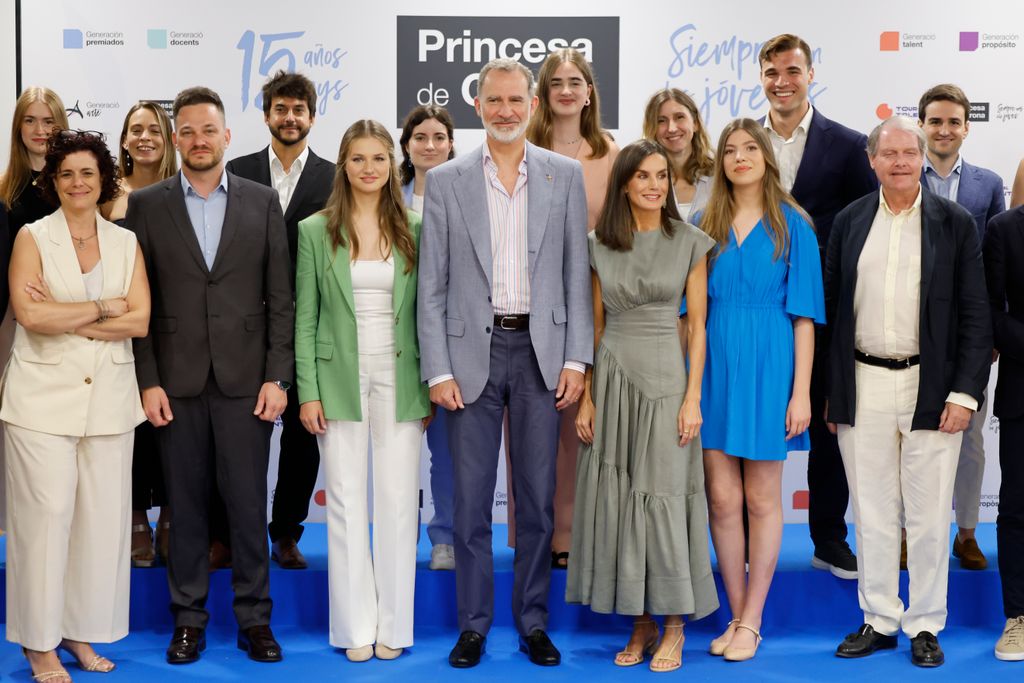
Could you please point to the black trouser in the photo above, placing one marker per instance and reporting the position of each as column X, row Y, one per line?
column 296, row 478
column 826, row 478
column 1010, row 523
column 214, row 437
column 147, row 476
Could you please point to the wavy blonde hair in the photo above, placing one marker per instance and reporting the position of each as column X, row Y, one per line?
column 700, row 161
column 721, row 208
column 19, row 167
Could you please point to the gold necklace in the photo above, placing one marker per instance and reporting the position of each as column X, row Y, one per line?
column 81, row 241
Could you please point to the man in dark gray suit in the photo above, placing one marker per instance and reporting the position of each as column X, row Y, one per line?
column 505, row 320
column 216, row 365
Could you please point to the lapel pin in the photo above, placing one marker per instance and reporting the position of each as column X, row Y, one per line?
column 548, row 177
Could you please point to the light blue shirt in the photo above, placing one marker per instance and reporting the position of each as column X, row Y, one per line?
column 207, row 215
column 947, row 187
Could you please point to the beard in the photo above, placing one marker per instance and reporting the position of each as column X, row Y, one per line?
column 506, row 136
column 216, row 156
column 276, row 132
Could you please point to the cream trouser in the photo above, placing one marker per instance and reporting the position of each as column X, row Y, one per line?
column 889, row 468
column 372, row 594
column 69, row 537
column 970, row 470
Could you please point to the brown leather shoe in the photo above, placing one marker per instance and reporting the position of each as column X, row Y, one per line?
column 903, row 554
column 220, row 556
column 287, row 554
column 969, row 553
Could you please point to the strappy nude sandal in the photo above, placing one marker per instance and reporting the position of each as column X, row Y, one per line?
column 719, row 644
column 144, row 555
column 675, row 661
column 55, row 676
column 631, row 658
column 742, row 654
column 97, row 664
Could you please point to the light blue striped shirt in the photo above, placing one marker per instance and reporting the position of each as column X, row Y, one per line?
column 947, row 187
column 207, row 215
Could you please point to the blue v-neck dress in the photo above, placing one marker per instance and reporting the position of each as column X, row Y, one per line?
column 753, row 299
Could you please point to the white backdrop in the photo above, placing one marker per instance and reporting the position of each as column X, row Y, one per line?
column 102, row 57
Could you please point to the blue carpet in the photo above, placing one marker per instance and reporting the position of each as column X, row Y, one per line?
column 808, row 613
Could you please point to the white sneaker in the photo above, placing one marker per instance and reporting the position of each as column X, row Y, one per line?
column 1010, row 647
column 442, row 556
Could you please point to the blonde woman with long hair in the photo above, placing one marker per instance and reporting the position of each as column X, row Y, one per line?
column 764, row 296
column 358, row 376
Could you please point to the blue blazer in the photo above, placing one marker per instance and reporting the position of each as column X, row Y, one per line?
column 980, row 192
column 834, row 171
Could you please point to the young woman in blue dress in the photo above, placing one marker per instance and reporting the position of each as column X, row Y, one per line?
column 764, row 296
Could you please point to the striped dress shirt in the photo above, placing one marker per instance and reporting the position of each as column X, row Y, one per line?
column 510, row 270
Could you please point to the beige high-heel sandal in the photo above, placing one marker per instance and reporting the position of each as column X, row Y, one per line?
column 719, row 644
column 55, row 676
column 630, row 658
column 98, row 663
column 675, row 661
column 742, row 654
column 144, row 555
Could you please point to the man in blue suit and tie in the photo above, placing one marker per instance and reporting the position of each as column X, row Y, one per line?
column 505, row 320
column 824, row 166
column 943, row 114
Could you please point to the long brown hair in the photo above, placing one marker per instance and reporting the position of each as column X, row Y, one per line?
column 418, row 115
column 169, row 162
column 700, row 162
column 19, row 168
column 542, row 122
column 718, row 214
column 615, row 225
column 391, row 216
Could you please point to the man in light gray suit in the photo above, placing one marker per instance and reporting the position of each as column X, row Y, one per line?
column 505, row 320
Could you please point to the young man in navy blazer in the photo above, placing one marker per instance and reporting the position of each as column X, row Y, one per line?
column 824, row 166
column 943, row 114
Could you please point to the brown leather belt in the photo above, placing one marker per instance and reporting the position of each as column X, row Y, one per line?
column 887, row 363
column 512, row 322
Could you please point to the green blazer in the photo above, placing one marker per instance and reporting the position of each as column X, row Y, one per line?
column 326, row 340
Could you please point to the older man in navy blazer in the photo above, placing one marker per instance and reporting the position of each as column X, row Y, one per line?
column 943, row 114
column 505, row 319
column 824, row 167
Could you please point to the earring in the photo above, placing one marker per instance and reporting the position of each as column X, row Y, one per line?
column 587, row 103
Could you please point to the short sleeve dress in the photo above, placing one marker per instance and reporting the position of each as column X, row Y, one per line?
column 753, row 299
column 639, row 539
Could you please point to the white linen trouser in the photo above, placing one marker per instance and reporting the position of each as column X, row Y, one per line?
column 371, row 598
column 970, row 470
column 891, row 468
column 69, row 537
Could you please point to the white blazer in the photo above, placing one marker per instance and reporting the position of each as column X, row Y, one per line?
column 67, row 384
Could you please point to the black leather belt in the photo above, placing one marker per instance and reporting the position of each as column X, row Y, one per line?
column 888, row 363
column 512, row 322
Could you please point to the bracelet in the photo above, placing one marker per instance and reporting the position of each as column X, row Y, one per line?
column 103, row 310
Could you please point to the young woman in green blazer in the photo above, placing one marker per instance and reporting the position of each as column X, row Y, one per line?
column 358, row 376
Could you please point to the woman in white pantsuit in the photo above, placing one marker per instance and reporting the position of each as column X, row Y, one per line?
column 70, row 405
column 357, row 370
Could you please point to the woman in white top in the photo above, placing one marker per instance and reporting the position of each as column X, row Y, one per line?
column 673, row 121
column 428, row 140
column 70, row 407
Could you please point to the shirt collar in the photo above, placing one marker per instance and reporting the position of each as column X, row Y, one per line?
column 956, row 167
column 489, row 160
column 186, row 186
column 916, row 206
column 804, row 125
column 297, row 165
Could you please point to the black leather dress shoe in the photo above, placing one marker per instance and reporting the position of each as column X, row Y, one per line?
column 540, row 648
column 186, row 644
column 467, row 651
column 925, row 650
column 259, row 642
column 864, row 642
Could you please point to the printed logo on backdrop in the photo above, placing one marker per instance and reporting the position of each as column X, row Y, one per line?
column 439, row 58
column 971, row 41
column 722, row 74
column 162, row 39
column 885, row 110
column 263, row 54
column 893, row 41
column 77, row 39
column 90, row 109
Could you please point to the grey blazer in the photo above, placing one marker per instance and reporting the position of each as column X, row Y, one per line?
column 455, row 316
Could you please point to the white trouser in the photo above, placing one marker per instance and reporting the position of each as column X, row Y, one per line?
column 69, row 537
column 889, row 468
column 372, row 597
column 970, row 470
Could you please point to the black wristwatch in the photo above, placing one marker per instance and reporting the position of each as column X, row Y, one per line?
column 283, row 386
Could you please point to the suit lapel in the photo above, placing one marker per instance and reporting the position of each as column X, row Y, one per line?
column 341, row 266
column 931, row 229
column 539, row 185
column 232, row 219
column 261, row 170
column 401, row 281
column 965, row 190
column 69, row 271
column 302, row 187
column 179, row 216
column 819, row 138
column 859, row 229
column 473, row 204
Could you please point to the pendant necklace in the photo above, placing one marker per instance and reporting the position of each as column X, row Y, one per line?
column 81, row 241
